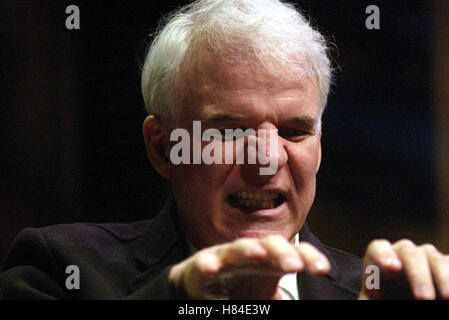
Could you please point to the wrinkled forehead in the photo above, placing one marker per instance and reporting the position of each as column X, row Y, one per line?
column 201, row 74
column 228, row 65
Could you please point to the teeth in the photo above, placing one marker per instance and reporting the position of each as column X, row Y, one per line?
column 245, row 195
column 265, row 204
column 263, row 200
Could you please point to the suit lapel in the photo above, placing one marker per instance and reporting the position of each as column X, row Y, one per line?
column 160, row 245
column 159, row 238
column 329, row 287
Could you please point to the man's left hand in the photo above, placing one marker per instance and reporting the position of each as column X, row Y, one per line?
column 406, row 271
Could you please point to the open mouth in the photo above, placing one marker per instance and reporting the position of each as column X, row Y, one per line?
column 250, row 201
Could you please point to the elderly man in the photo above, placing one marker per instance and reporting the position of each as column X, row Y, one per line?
column 231, row 230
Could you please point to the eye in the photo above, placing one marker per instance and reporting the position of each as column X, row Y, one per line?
column 294, row 135
column 230, row 134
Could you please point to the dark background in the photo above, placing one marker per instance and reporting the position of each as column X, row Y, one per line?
column 71, row 117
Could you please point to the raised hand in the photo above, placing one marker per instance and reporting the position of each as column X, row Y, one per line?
column 247, row 268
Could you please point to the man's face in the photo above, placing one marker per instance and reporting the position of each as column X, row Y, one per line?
column 221, row 202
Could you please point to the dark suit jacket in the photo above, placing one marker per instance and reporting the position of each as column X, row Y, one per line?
column 132, row 261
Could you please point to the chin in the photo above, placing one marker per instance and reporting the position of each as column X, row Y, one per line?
column 259, row 233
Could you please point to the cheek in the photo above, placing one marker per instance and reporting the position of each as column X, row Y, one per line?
column 304, row 162
column 208, row 177
column 199, row 183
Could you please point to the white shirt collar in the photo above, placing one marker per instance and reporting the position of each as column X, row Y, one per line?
column 289, row 282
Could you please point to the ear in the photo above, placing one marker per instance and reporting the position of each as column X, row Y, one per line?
column 156, row 145
column 319, row 154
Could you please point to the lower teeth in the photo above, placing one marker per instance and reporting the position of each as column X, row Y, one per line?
column 265, row 204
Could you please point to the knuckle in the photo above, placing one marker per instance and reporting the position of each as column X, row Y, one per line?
column 432, row 253
column 305, row 246
column 242, row 242
column 377, row 243
column 309, row 249
column 405, row 243
column 248, row 247
column 275, row 240
column 409, row 250
column 428, row 247
column 221, row 249
column 380, row 241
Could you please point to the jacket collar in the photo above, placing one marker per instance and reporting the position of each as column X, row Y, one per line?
column 329, row 287
column 306, row 235
column 161, row 238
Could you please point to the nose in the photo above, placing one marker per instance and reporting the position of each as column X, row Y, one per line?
column 266, row 152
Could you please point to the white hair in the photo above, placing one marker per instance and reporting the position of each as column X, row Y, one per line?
column 271, row 31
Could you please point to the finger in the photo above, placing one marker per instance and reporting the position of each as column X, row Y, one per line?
column 282, row 254
column 381, row 253
column 316, row 263
column 416, row 268
column 246, row 256
column 191, row 276
column 207, row 262
column 439, row 266
column 240, row 252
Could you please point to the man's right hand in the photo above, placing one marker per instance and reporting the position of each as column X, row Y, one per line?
column 248, row 268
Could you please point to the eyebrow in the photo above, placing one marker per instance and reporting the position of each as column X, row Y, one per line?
column 304, row 121
column 307, row 122
column 222, row 117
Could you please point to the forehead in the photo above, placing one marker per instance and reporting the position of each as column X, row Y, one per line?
column 211, row 84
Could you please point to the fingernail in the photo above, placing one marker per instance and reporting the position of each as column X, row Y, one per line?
column 212, row 267
column 321, row 265
column 426, row 292
column 396, row 262
column 445, row 292
column 392, row 262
